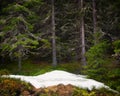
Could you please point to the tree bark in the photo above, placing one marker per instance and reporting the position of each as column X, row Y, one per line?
column 19, row 63
column 94, row 21
column 54, row 58
column 82, row 30
column 19, row 58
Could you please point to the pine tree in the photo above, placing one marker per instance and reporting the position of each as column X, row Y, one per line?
column 16, row 38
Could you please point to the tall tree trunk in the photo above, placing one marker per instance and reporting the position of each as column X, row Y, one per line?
column 94, row 21
column 19, row 63
column 54, row 58
column 82, row 30
column 19, row 58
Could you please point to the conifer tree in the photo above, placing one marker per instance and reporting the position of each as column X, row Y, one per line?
column 16, row 36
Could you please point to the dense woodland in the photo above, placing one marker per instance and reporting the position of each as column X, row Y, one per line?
column 59, row 31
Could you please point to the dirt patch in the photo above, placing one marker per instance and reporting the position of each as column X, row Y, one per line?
column 58, row 90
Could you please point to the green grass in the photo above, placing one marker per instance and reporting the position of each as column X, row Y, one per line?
column 35, row 68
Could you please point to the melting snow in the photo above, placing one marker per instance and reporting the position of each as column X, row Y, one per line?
column 60, row 77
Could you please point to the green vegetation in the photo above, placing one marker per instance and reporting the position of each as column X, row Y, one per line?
column 117, row 46
column 102, row 67
column 40, row 68
column 13, row 87
column 97, row 60
column 4, row 72
column 73, row 91
column 31, row 68
column 29, row 30
column 93, row 92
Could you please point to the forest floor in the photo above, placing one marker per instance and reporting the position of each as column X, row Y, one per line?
column 60, row 89
column 67, row 90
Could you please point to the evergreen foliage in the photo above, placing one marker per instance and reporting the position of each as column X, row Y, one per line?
column 99, row 65
column 25, row 31
column 96, row 57
column 16, row 32
column 116, row 46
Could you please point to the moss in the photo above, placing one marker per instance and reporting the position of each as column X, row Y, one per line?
column 13, row 87
column 4, row 72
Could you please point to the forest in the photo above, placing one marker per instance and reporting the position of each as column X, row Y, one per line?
column 79, row 36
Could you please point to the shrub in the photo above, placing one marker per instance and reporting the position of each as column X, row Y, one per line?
column 82, row 92
column 4, row 72
column 12, row 87
column 93, row 92
column 99, row 65
column 116, row 46
column 96, row 60
column 114, row 79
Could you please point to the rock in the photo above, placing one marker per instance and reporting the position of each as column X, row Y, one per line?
column 64, row 90
column 25, row 93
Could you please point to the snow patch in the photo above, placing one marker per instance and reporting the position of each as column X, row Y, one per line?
column 60, row 77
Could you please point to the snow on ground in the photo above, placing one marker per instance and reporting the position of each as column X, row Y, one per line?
column 60, row 77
